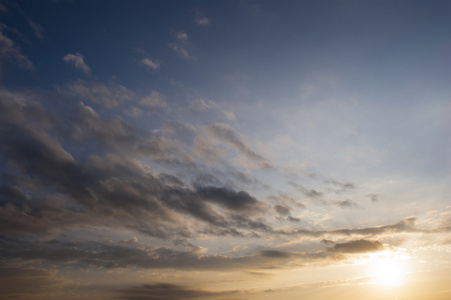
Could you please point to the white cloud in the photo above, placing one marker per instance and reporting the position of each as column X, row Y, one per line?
column 78, row 62
column 153, row 64
column 154, row 100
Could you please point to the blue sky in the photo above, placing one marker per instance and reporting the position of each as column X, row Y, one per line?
column 225, row 149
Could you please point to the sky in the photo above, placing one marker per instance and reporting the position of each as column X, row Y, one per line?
column 235, row 150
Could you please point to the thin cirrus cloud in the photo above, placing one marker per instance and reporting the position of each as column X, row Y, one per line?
column 78, row 62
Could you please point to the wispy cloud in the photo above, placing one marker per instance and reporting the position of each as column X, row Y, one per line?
column 200, row 105
column 180, row 50
column 181, row 36
column 37, row 29
column 153, row 64
column 109, row 96
column 200, row 18
column 78, row 62
column 11, row 53
column 226, row 134
column 154, row 100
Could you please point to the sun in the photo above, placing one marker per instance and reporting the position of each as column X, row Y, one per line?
column 388, row 269
column 388, row 272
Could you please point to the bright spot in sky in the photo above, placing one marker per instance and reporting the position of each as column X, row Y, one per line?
column 388, row 268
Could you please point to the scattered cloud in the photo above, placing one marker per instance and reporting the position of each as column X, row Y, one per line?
column 180, row 50
column 152, row 64
column 226, row 134
column 11, row 53
column 200, row 105
column 282, row 210
column 37, row 29
column 181, row 35
column 109, row 96
column 373, row 197
column 339, row 187
column 347, row 203
column 200, row 18
column 77, row 60
column 154, row 100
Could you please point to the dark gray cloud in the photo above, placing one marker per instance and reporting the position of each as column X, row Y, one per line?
column 106, row 186
column 282, row 210
column 21, row 282
column 237, row 201
column 339, row 187
column 310, row 193
column 164, row 291
column 293, row 219
column 357, row 246
column 405, row 226
column 276, row 254
column 373, row 197
column 347, row 203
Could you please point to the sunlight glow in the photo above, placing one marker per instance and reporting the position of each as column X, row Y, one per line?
column 388, row 268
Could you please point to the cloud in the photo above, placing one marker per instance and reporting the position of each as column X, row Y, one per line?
column 236, row 201
column 37, row 29
column 373, row 197
column 10, row 53
column 405, row 226
column 224, row 133
column 347, row 203
column 118, row 185
column 200, row 18
column 180, row 50
column 29, row 282
column 310, row 193
column 154, row 100
column 340, row 187
column 153, row 64
column 110, row 96
column 200, row 106
column 162, row 291
column 282, row 210
column 181, row 36
column 77, row 60
column 357, row 246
